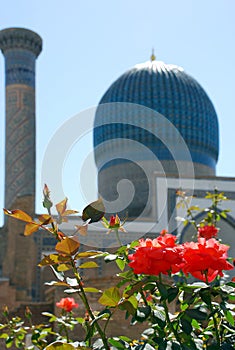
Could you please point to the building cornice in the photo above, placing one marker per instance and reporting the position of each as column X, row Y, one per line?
column 12, row 38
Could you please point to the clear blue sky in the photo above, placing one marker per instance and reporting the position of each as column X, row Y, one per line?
column 88, row 44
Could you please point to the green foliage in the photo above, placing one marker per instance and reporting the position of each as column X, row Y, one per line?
column 178, row 315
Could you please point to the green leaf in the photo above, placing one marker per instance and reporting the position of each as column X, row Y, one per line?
column 59, row 275
column 176, row 346
column 56, row 283
column 232, row 284
column 80, row 320
column 124, row 338
column 172, row 294
column 126, row 275
column 9, row 341
column 206, row 296
column 195, row 324
column 91, row 290
column 4, row 335
column 227, row 289
column 110, row 257
column 88, row 265
column 196, row 314
column 162, row 290
column 58, row 345
column 121, row 264
column 186, row 325
column 142, row 313
column 48, row 314
column 71, row 291
column 223, row 214
column 134, row 244
column 110, row 297
column 94, row 211
column 183, row 306
column 229, row 317
column 72, row 282
column 126, row 305
column 159, row 317
column 117, row 344
column 194, row 207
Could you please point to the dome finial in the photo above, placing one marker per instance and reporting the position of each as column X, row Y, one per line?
column 153, row 57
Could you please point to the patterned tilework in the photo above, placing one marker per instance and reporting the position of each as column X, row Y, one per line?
column 168, row 90
column 20, row 67
column 20, row 142
column 20, row 48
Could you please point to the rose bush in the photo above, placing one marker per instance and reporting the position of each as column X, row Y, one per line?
column 175, row 289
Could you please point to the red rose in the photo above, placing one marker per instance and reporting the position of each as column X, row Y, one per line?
column 167, row 238
column 67, row 304
column 205, row 259
column 112, row 221
column 207, row 231
column 156, row 256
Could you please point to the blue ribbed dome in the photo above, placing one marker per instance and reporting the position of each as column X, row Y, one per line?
column 168, row 90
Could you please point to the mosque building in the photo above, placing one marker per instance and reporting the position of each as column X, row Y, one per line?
column 155, row 131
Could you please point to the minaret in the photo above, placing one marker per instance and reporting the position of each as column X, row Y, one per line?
column 20, row 48
column 18, row 259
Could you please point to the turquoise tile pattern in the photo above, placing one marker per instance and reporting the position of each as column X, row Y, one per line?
column 167, row 89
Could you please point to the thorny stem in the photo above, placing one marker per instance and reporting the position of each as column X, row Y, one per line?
column 87, row 306
column 174, row 331
column 189, row 211
column 214, row 207
column 118, row 238
column 169, row 321
column 52, row 223
column 144, row 298
column 212, row 311
column 63, row 327
column 216, row 328
column 107, row 321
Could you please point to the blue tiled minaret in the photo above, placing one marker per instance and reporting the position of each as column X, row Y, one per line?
column 20, row 48
column 18, row 255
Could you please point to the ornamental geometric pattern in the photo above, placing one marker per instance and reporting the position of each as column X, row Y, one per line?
column 20, row 142
column 166, row 89
column 20, row 47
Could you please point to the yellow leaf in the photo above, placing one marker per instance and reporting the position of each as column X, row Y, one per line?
column 82, row 229
column 110, row 297
column 64, row 267
column 70, row 212
column 49, row 260
column 91, row 290
column 88, row 265
column 68, row 245
column 31, row 228
column 53, row 259
column 45, row 219
column 61, row 206
column 88, row 254
column 18, row 214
